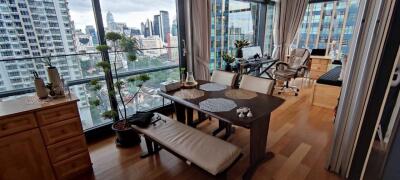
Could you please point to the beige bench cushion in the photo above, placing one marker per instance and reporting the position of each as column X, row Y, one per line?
column 209, row 153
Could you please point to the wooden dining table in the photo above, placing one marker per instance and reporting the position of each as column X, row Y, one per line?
column 261, row 106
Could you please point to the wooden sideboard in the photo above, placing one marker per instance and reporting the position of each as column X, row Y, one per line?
column 319, row 66
column 41, row 139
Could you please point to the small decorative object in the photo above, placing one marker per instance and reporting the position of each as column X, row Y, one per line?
column 228, row 61
column 40, row 87
column 190, row 82
column 249, row 114
column 170, row 86
column 240, row 44
column 54, row 76
column 244, row 112
column 212, row 87
column 50, row 87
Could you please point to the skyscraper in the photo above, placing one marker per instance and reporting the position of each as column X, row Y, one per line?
column 111, row 25
column 328, row 23
column 174, row 28
column 33, row 29
column 142, row 28
column 147, row 28
column 92, row 32
column 156, row 25
column 165, row 27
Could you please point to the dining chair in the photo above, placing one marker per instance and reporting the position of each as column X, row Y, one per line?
column 256, row 84
column 223, row 77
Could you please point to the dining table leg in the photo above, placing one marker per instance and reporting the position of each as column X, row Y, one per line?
column 180, row 111
column 258, row 144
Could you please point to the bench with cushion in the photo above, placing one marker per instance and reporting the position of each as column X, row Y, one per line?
column 205, row 151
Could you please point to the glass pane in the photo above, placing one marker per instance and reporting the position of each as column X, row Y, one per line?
column 328, row 25
column 230, row 20
column 269, row 28
column 65, row 31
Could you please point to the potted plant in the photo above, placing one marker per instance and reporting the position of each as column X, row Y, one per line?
column 54, row 76
column 228, row 59
column 240, row 44
column 125, row 135
column 40, row 87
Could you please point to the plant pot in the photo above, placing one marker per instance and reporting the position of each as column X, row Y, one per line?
column 239, row 53
column 40, row 88
column 126, row 136
column 54, row 78
column 228, row 67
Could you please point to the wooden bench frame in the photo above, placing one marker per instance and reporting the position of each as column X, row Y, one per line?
column 153, row 147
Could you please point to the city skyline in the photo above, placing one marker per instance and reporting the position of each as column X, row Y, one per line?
column 131, row 12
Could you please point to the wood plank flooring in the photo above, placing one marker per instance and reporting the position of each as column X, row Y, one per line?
column 299, row 136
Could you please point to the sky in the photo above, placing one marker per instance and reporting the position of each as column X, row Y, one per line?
column 131, row 12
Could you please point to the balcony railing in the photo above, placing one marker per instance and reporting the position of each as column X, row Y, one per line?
column 161, row 64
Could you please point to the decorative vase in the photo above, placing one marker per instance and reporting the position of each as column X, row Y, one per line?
column 40, row 88
column 239, row 53
column 54, row 78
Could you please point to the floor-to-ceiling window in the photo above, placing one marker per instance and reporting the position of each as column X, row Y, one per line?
column 231, row 20
column 328, row 25
column 269, row 29
column 66, row 31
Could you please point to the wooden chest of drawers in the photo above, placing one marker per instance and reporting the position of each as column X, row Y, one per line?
column 42, row 140
column 319, row 66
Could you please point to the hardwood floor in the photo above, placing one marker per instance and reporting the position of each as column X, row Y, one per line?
column 299, row 136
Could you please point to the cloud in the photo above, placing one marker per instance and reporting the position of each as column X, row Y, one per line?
column 132, row 12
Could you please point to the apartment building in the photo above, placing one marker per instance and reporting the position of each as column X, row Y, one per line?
column 32, row 29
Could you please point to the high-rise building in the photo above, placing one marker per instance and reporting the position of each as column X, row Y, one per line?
column 111, row 25
column 33, row 29
column 92, row 32
column 142, row 28
column 147, row 28
column 174, row 28
column 165, row 27
column 83, row 42
column 328, row 24
column 156, row 25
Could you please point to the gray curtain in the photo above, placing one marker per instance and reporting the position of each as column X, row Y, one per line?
column 289, row 14
column 198, row 20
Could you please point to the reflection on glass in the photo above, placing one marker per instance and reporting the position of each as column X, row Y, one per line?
column 327, row 22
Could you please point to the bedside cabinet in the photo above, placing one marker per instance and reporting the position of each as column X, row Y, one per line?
column 319, row 66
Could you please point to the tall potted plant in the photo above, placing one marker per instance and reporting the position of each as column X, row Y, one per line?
column 228, row 59
column 240, row 44
column 125, row 135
